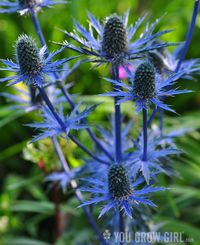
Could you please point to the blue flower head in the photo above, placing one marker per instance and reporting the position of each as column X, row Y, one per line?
column 24, row 6
column 112, row 40
column 28, row 56
column 118, row 191
column 32, row 66
column 29, row 98
column 146, row 87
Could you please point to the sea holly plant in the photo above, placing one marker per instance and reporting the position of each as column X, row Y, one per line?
column 114, row 41
column 119, row 171
column 119, row 192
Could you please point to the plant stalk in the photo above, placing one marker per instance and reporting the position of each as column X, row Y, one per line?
column 118, row 147
column 77, row 192
column 186, row 45
column 145, row 136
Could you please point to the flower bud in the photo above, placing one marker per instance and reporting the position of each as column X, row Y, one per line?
column 114, row 43
column 118, row 182
column 28, row 56
column 144, row 83
column 156, row 60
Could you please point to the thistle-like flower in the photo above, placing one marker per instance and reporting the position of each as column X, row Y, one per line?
column 146, row 87
column 28, row 99
column 24, row 6
column 118, row 191
column 32, row 66
column 113, row 42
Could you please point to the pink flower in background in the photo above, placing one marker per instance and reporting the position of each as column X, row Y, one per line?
column 123, row 73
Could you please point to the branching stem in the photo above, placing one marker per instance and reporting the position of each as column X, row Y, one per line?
column 63, row 126
column 66, row 95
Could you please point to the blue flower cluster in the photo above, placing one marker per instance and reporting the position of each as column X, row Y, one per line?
column 121, row 172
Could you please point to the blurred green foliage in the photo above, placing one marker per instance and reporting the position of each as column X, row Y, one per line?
column 26, row 203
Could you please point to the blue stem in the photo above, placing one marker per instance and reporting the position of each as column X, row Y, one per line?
column 55, row 143
column 63, row 126
column 86, row 150
column 149, row 121
column 67, row 96
column 161, row 119
column 186, row 45
column 77, row 192
column 38, row 28
column 121, row 224
column 189, row 34
column 145, row 139
column 118, row 147
column 91, row 134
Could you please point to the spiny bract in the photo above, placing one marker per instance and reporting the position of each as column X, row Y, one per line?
column 118, row 182
column 114, row 41
column 144, row 83
column 28, row 56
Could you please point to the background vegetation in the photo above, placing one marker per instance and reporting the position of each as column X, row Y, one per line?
column 27, row 204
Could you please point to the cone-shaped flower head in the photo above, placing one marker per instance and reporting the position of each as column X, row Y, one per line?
column 118, row 182
column 28, row 56
column 114, row 43
column 114, row 36
column 118, row 190
column 33, row 66
column 144, row 83
column 29, row 3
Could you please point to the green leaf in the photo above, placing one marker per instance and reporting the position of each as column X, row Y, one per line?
column 188, row 230
column 15, row 182
column 43, row 207
column 10, row 116
column 33, row 206
column 23, row 241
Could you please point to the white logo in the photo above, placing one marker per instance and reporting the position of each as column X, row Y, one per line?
column 106, row 234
